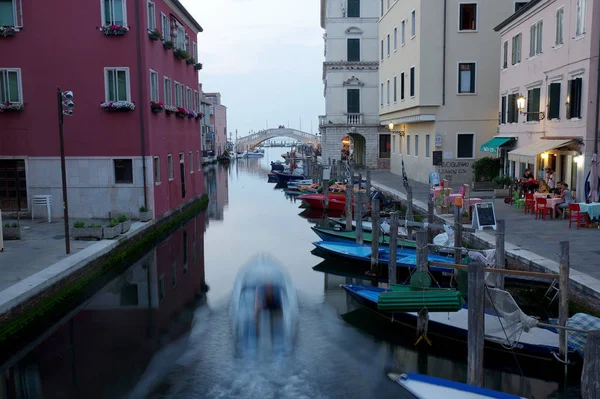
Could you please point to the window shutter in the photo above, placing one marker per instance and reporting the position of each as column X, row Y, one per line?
column 540, row 29
column 353, row 8
column 577, row 97
column 532, row 37
column 353, row 100
column 353, row 49
column 402, row 86
column 554, row 106
column 503, row 111
column 472, row 67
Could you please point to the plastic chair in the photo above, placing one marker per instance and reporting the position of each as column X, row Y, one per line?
column 542, row 209
column 529, row 203
column 519, row 203
column 575, row 215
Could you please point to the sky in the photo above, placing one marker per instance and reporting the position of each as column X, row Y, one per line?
column 265, row 57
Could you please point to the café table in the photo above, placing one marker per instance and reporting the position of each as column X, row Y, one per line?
column 550, row 202
column 437, row 190
column 592, row 209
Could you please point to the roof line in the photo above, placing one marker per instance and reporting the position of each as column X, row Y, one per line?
column 516, row 15
column 188, row 15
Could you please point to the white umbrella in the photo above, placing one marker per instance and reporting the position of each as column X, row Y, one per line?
column 593, row 180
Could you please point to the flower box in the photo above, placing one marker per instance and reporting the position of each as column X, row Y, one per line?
column 125, row 226
column 113, row 30
column 169, row 109
column 198, row 66
column 156, row 107
column 181, row 54
column 7, row 31
column 190, row 61
column 79, row 233
column 11, row 233
column 155, row 34
column 111, row 232
column 146, row 216
column 11, row 107
column 168, row 45
column 118, row 106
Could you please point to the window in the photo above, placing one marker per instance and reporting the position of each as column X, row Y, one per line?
column 168, row 92
column 505, row 55
column 554, row 100
column 165, row 25
column 382, row 10
column 196, row 101
column 403, row 32
column 533, row 105
column 535, row 38
column 381, row 94
column 161, row 288
column 574, row 98
column 388, row 92
column 395, row 89
column 114, row 12
column 388, row 44
column 116, row 83
column 157, row 170
column 186, row 45
column 580, row 13
column 413, row 23
column 512, row 112
column 382, row 50
column 465, row 145
column 384, row 146
column 408, row 145
column 188, row 98
column 503, row 109
column 412, row 81
column 178, row 95
column 10, row 86
column 395, row 38
column 179, row 36
column 467, row 20
column 402, row 86
column 185, row 250
column 516, row 49
column 198, row 160
column 123, row 171
column 151, row 16
column 466, row 77
column 153, row 86
column 174, row 274
column 519, row 5
column 7, row 13
column 353, row 9
column 416, row 145
column 170, row 166
column 353, row 46
column 560, row 16
column 427, row 144
column 353, row 101
column 191, row 162
column 195, row 51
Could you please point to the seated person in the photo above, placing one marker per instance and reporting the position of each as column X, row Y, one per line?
column 527, row 175
column 543, row 188
column 268, row 298
column 566, row 196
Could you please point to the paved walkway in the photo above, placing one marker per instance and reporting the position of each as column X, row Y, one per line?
column 532, row 240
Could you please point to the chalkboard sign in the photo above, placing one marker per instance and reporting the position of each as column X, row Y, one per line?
column 484, row 216
column 437, row 158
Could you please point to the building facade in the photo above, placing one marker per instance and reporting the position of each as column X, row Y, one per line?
column 133, row 137
column 437, row 83
column 548, row 89
column 218, row 119
column 350, row 126
column 207, row 127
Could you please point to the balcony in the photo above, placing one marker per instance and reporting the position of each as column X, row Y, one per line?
column 354, row 119
column 344, row 119
column 322, row 120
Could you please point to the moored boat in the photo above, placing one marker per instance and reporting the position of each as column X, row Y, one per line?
column 317, row 201
column 334, row 235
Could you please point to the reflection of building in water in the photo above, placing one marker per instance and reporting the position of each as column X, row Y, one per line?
column 105, row 348
column 217, row 188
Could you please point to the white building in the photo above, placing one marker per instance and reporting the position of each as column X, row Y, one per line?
column 438, row 79
column 350, row 76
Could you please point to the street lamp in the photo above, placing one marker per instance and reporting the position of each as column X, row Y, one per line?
column 521, row 107
column 391, row 125
column 65, row 108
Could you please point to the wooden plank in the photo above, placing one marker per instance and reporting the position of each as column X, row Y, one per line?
column 549, row 276
column 590, row 383
column 393, row 248
column 476, row 325
column 563, row 293
column 375, row 236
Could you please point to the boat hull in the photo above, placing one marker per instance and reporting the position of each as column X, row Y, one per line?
column 317, row 201
column 285, row 177
column 350, row 236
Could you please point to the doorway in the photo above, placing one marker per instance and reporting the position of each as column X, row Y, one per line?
column 13, row 185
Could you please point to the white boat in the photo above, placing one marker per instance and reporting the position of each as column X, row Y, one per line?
column 253, row 154
column 426, row 387
column 298, row 183
column 368, row 226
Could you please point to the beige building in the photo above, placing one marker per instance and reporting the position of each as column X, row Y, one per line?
column 438, row 70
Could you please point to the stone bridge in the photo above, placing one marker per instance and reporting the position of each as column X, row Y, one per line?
column 253, row 140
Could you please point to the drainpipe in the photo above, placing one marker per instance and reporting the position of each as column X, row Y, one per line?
column 141, row 109
column 597, row 101
column 444, row 59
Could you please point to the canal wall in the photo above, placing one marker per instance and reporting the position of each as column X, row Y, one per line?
column 35, row 303
column 581, row 290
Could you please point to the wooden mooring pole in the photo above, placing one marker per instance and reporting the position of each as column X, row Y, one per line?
column 375, row 236
column 422, row 252
column 409, row 210
column 368, row 187
column 457, row 236
column 393, row 248
column 360, row 180
column 358, row 212
column 476, row 329
column 563, row 293
column 500, row 261
column 349, row 196
column 325, row 185
column 590, row 383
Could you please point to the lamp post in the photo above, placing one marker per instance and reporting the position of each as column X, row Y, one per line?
column 65, row 108
column 521, row 108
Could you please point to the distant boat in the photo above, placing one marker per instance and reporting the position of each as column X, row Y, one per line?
column 334, row 235
column 253, row 154
column 277, row 166
column 285, row 177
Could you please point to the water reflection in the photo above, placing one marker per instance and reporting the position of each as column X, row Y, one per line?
column 104, row 349
column 216, row 180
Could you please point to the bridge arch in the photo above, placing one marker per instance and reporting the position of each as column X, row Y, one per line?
column 253, row 140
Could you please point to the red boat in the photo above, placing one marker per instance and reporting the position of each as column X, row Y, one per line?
column 317, row 201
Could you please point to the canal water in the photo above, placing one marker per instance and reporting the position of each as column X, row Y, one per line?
column 162, row 329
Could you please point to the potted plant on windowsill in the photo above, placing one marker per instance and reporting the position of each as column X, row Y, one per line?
column 145, row 214
column 118, row 106
column 191, row 114
column 112, row 230
column 181, row 112
column 156, row 107
column 11, row 107
column 80, row 231
column 198, row 66
column 7, row 31
column 167, row 44
column 155, row 34
column 11, row 231
column 199, row 115
column 170, row 109
column 181, row 54
column 125, row 223
column 113, row 30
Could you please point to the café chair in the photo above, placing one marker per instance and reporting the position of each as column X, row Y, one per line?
column 575, row 215
column 519, row 203
column 542, row 209
column 529, row 203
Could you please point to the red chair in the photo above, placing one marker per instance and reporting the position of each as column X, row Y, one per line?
column 575, row 215
column 529, row 203
column 542, row 208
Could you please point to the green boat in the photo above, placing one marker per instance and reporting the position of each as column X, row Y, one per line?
column 333, row 235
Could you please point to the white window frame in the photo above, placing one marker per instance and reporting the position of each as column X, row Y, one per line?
column 170, row 166
column 169, row 92
column 413, row 24
column 388, row 92
column 474, row 144
column 156, row 166
column 476, row 17
column 191, row 162
column 4, row 75
column 154, row 92
column 536, row 31
column 505, row 48
column 389, row 45
column 458, row 92
column 580, row 18
column 195, row 50
column 179, row 104
column 403, row 32
column 165, row 25
column 559, row 28
column 188, row 98
column 196, row 101
column 381, row 95
column 395, row 89
column 395, row 38
column 117, row 69
column 151, row 15
column 103, row 13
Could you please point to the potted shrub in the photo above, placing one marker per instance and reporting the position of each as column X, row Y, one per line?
column 7, row 31
column 11, row 231
column 181, row 54
column 190, row 61
column 168, row 45
column 80, row 230
column 113, row 30
column 198, row 66
column 155, row 34
column 125, row 223
column 145, row 214
column 11, row 107
column 464, row 217
column 112, row 230
column 156, row 107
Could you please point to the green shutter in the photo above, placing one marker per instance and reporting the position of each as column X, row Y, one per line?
column 353, row 49
column 554, row 106
column 353, row 101
column 353, row 8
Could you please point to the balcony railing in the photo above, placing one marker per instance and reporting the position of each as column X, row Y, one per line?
column 322, row 120
column 354, row 119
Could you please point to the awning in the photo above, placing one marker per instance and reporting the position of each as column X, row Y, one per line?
column 493, row 144
column 528, row 153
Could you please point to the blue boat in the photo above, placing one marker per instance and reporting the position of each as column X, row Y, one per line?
column 405, row 257
column 426, row 387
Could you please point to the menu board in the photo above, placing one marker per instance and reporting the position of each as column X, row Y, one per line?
column 437, row 158
column 484, row 216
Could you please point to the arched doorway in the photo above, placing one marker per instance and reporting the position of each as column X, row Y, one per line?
column 353, row 147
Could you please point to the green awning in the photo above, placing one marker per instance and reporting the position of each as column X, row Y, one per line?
column 493, row 144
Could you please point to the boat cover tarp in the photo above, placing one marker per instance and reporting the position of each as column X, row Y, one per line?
column 581, row 321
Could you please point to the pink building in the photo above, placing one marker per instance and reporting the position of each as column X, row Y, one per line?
column 548, row 89
column 122, row 151
column 218, row 118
